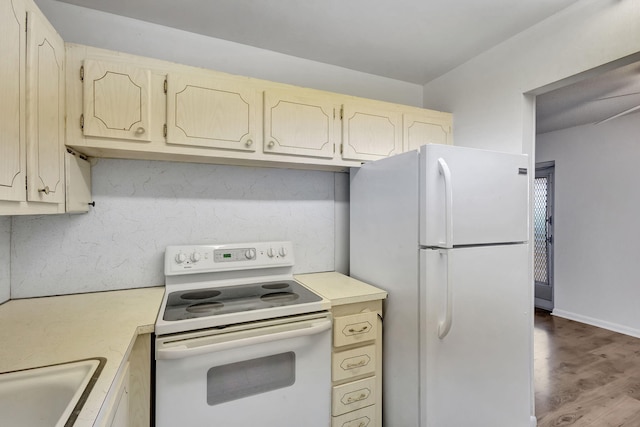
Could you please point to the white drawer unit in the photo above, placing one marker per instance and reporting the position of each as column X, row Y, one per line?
column 354, row 329
column 365, row 417
column 356, row 372
column 354, row 395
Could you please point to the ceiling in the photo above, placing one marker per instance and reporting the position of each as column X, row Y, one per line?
column 409, row 40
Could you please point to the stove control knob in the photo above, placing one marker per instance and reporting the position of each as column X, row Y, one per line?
column 195, row 257
column 250, row 254
column 180, row 258
column 283, row 251
column 271, row 252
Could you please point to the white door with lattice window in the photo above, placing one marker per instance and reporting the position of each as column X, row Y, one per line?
column 543, row 235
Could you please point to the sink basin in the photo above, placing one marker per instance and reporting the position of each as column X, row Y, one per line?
column 48, row 396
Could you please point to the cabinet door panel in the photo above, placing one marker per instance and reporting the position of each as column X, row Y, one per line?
column 427, row 128
column 12, row 106
column 46, row 112
column 369, row 133
column 116, row 101
column 209, row 112
column 299, row 125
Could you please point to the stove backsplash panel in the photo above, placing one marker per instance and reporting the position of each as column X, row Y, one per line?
column 143, row 206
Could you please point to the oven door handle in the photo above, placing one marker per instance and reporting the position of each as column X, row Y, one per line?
column 182, row 351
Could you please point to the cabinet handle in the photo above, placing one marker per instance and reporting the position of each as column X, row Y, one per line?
column 140, row 130
column 356, row 365
column 249, row 143
column 44, row 190
column 271, row 144
column 357, row 331
column 356, row 399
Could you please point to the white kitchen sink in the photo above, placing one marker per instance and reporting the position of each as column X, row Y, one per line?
column 46, row 396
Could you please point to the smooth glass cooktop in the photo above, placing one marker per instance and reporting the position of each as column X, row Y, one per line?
column 195, row 303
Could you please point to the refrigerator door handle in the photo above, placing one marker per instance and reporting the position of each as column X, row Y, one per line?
column 444, row 326
column 448, row 203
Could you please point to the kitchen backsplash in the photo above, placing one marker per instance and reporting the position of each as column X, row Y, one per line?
column 143, row 206
column 5, row 258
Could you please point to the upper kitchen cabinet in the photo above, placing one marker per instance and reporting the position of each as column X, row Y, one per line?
column 298, row 124
column 426, row 127
column 370, row 132
column 116, row 101
column 143, row 108
column 45, row 112
column 13, row 106
column 211, row 112
column 32, row 112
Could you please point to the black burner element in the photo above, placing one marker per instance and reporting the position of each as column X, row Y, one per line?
column 204, row 307
column 209, row 293
column 279, row 297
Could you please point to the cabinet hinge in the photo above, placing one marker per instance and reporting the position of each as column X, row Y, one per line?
column 166, row 85
column 341, row 148
column 82, row 121
column 26, row 23
column 26, row 183
column 82, row 72
column 164, row 130
column 341, row 113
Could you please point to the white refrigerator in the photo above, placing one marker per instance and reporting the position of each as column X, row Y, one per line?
column 444, row 230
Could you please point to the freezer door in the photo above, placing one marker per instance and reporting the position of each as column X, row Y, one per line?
column 475, row 337
column 470, row 196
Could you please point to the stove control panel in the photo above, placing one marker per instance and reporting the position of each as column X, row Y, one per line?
column 188, row 259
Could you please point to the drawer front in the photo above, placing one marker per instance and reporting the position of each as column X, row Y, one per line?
column 355, row 395
column 353, row 363
column 355, row 329
column 365, row 417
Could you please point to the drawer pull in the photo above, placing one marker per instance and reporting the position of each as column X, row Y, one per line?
column 357, row 365
column 362, row 422
column 360, row 397
column 357, row 331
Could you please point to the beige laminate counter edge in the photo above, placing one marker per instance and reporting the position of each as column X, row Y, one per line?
column 45, row 331
column 340, row 289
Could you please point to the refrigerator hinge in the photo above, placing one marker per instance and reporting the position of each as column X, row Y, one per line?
column 82, row 121
column 82, row 72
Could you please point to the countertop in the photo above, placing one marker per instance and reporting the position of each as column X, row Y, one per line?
column 44, row 331
column 340, row 289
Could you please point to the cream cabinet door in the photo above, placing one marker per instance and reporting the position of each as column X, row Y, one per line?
column 370, row 133
column 116, row 101
column 12, row 101
column 430, row 127
column 45, row 112
column 210, row 112
column 297, row 124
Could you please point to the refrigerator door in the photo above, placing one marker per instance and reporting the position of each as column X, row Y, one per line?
column 470, row 197
column 475, row 342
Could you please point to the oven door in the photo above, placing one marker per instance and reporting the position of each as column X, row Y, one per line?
column 273, row 375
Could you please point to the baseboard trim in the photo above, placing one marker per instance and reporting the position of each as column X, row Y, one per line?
column 621, row 329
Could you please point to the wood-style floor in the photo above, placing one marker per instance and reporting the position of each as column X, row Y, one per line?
column 585, row 376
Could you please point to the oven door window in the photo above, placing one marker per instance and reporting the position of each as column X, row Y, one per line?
column 250, row 377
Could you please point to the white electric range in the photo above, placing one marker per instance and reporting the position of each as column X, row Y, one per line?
column 239, row 341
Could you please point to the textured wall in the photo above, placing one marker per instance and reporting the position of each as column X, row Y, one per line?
column 143, row 206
